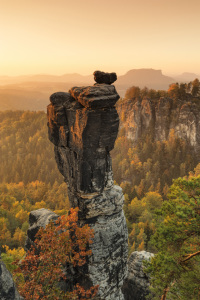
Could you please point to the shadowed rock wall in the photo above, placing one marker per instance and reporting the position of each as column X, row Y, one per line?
column 83, row 126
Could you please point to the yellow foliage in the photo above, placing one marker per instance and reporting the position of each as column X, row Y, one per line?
column 22, row 215
column 133, row 247
column 15, row 253
column 15, row 204
column 140, row 235
column 141, row 246
column 61, row 212
column 39, row 205
column 132, row 234
column 141, row 225
column 167, row 219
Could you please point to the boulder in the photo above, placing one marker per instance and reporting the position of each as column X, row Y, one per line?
column 102, row 77
column 8, row 289
column 37, row 219
column 136, row 285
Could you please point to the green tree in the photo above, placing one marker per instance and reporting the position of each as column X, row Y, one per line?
column 195, row 87
column 175, row 268
column 174, row 90
column 132, row 93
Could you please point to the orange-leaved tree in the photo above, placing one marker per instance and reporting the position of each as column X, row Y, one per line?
column 58, row 245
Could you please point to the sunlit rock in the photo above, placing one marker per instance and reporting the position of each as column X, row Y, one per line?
column 83, row 126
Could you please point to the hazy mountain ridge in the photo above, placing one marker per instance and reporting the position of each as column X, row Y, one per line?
column 143, row 78
column 32, row 92
column 4, row 80
column 187, row 77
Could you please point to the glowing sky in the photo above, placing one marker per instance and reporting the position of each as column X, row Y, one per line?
column 68, row 36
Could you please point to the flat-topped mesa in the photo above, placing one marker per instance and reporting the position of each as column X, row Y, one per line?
column 83, row 126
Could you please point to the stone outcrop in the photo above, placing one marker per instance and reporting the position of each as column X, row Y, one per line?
column 37, row 219
column 83, row 125
column 136, row 285
column 8, row 289
column 102, row 77
column 160, row 118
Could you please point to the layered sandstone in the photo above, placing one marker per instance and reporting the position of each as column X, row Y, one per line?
column 83, row 126
column 143, row 116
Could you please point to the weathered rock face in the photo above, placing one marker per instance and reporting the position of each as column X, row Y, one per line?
column 37, row 219
column 8, row 289
column 83, row 125
column 136, row 285
column 102, row 77
column 159, row 118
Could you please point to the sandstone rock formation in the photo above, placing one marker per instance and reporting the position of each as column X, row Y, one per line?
column 102, row 77
column 136, row 285
column 37, row 219
column 8, row 289
column 159, row 118
column 83, row 125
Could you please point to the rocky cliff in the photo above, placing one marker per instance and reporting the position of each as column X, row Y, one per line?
column 159, row 118
column 83, row 125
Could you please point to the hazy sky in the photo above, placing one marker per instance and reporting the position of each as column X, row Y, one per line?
column 68, row 36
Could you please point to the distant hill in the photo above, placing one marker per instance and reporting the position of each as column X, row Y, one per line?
column 186, row 77
column 74, row 77
column 143, row 77
column 32, row 92
column 32, row 96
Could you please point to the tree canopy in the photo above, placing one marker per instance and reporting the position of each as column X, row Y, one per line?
column 175, row 268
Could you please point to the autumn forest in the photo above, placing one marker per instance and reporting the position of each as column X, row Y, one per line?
column 146, row 169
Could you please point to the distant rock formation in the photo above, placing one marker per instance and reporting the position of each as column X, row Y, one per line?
column 136, row 285
column 144, row 116
column 26, row 89
column 8, row 289
column 150, row 78
column 83, row 125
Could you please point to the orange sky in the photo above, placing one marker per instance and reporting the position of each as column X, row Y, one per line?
column 67, row 36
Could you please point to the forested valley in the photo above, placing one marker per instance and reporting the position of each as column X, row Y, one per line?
column 29, row 178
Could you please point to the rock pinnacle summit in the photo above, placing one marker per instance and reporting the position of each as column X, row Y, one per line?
column 83, row 126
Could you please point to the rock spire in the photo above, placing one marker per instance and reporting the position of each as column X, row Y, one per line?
column 83, row 126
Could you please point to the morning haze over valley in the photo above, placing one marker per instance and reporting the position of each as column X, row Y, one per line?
column 31, row 92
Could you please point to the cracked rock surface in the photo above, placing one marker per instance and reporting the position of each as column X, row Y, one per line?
column 136, row 285
column 83, row 126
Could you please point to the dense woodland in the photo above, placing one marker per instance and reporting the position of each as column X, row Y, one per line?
column 26, row 153
column 29, row 178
